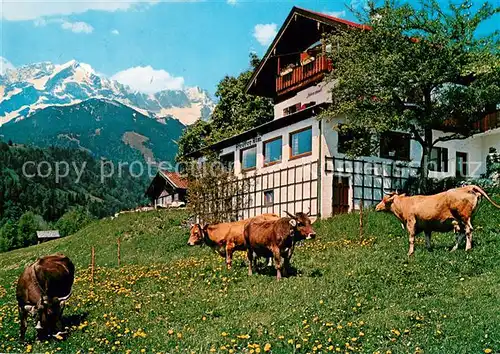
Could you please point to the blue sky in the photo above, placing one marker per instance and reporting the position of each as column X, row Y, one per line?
column 179, row 43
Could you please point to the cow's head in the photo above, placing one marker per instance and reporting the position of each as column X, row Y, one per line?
column 302, row 225
column 47, row 312
column 387, row 200
column 196, row 235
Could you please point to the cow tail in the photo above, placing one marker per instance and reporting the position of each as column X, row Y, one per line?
column 479, row 190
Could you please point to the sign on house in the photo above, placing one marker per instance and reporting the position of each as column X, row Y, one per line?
column 249, row 142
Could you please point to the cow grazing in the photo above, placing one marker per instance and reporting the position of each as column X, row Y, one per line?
column 224, row 238
column 277, row 239
column 447, row 211
column 42, row 291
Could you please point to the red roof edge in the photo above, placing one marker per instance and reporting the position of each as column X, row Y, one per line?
column 336, row 19
column 176, row 179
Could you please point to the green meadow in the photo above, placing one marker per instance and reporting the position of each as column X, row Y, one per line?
column 348, row 295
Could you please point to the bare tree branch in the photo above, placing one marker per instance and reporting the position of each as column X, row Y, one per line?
column 456, row 136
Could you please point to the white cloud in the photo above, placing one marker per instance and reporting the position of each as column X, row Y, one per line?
column 265, row 33
column 231, row 2
column 336, row 13
column 32, row 9
column 5, row 65
column 148, row 80
column 115, row 32
column 77, row 27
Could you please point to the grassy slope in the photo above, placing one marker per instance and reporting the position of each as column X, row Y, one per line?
column 357, row 297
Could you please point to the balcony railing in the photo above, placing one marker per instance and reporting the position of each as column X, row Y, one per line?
column 490, row 121
column 303, row 75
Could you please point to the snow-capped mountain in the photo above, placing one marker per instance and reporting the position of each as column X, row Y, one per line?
column 29, row 88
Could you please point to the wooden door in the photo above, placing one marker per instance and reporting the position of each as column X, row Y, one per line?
column 340, row 198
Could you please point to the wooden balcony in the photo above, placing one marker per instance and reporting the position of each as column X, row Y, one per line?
column 489, row 122
column 303, row 75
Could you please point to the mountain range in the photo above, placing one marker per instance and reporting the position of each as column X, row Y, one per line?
column 72, row 105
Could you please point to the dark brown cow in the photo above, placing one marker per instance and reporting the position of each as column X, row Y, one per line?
column 42, row 291
column 277, row 238
column 447, row 211
column 224, row 238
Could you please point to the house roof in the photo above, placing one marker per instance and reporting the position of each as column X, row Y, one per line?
column 332, row 22
column 175, row 179
column 48, row 234
column 262, row 129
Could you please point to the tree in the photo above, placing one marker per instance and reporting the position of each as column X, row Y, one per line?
column 74, row 220
column 8, row 234
column 415, row 70
column 27, row 226
column 235, row 112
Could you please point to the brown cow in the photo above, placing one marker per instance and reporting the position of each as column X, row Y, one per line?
column 224, row 238
column 447, row 211
column 277, row 238
column 42, row 291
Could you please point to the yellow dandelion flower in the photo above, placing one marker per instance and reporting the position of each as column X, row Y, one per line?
column 488, row 351
column 267, row 347
column 224, row 334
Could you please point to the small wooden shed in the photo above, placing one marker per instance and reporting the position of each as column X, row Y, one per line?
column 44, row 236
column 167, row 189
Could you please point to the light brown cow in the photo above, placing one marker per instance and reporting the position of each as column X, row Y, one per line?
column 277, row 238
column 224, row 238
column 447, row 211
column 42, row 291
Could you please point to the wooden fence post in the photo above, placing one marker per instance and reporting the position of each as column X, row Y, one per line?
column 119, row 253
column 361, row 220
column 93, row 263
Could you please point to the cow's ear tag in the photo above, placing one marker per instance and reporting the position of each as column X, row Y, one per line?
column 293, row 222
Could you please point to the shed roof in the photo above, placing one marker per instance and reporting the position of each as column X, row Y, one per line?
column 175, row 179
column 48, row 234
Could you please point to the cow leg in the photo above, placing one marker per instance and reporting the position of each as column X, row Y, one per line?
column 428, row 239
column 229, row 255
column 277, row 263
column 468, row 234
column 459, row 238
column 250, row 261
column 411, row 226
column 23, row 323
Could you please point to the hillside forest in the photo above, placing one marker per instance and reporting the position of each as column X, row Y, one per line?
column 30, row 202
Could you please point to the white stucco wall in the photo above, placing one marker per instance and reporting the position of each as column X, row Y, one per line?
column 318, row 93
column 306, row 176
column 381, row 167
column 476, row 147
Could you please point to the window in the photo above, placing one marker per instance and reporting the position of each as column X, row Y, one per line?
column 272, row 151
column 461, row 169
column 249, row 158
column 227, row 161
column 395, row 146
column 351, row 140
column 438, row 160
column 291, row 109
column 268, row 198
column 301, row 143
